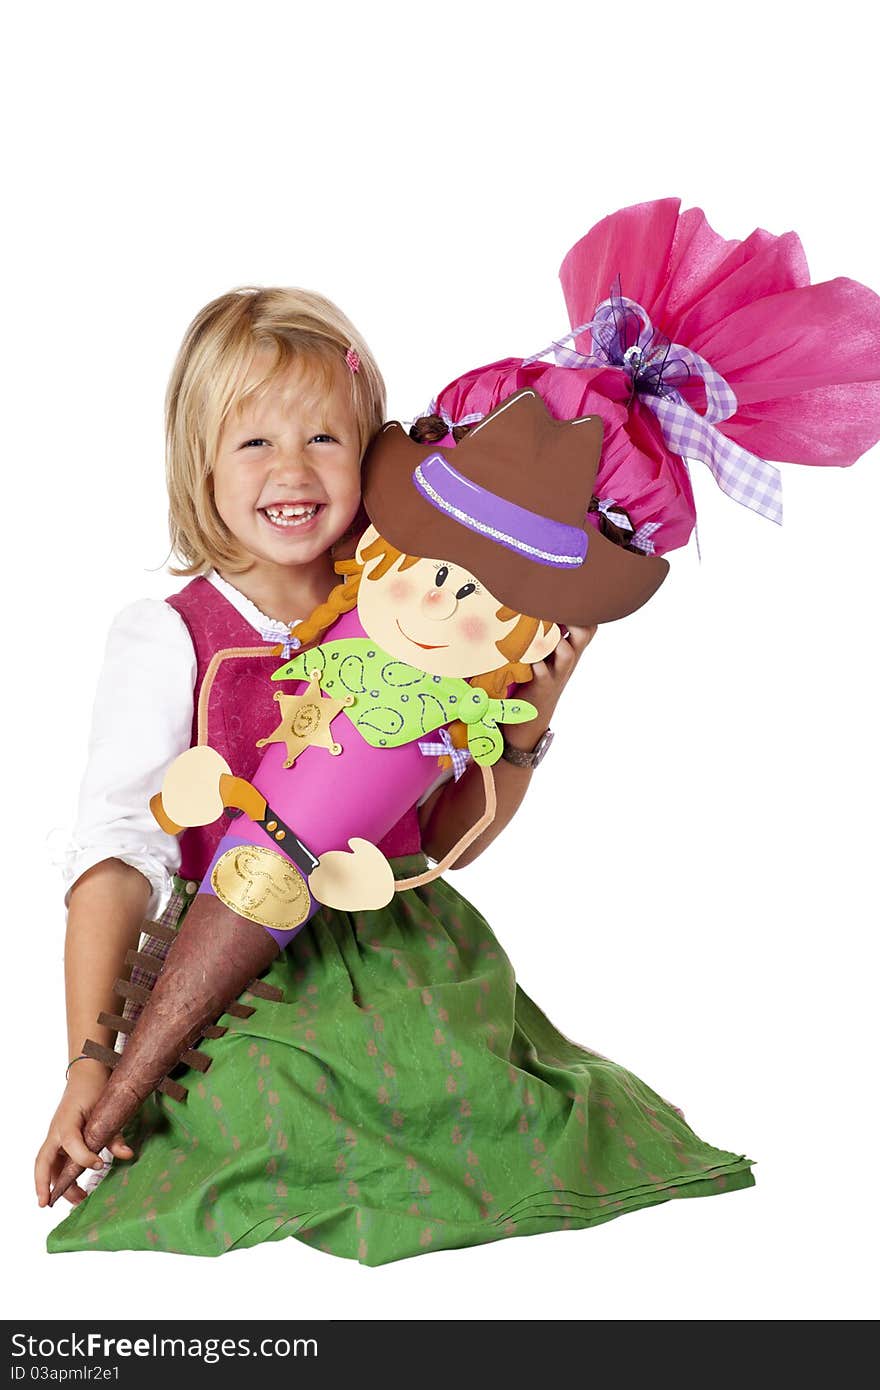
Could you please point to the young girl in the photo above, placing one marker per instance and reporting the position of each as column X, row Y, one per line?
column 407, row 1095
column 272, row 402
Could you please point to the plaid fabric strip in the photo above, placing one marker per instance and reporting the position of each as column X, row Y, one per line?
column 151, row 945
column 642, row 538
column 744, row 477
column 623, row 336
column 563, row 354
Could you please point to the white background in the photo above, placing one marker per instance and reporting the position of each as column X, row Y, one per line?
column 708, row 913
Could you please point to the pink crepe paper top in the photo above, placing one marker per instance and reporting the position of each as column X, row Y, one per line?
column 803, row 360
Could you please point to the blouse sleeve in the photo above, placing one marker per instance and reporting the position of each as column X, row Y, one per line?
column 142, row 720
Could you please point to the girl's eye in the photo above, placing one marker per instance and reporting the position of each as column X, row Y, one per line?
column 322, row 439
column 441, row 576
column 254, row 443
column 465, row 590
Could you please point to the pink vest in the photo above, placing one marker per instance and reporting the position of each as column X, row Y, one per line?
column 241, row 709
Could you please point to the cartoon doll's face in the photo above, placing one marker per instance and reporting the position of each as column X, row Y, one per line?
column 438, row 617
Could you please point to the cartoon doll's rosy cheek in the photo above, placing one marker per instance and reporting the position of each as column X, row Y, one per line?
column 473, row 629
column 399, row 589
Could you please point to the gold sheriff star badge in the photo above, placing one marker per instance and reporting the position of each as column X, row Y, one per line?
column 306, row 720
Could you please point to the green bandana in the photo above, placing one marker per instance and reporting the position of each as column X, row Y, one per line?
column 395, row 703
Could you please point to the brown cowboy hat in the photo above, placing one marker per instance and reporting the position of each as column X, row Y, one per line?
column 509, row 503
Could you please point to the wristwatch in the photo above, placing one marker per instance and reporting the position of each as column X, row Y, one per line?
column 520, row 758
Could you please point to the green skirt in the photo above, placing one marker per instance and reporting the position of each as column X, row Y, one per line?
column 406, row 1096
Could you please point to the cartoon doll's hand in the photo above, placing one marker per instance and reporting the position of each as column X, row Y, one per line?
column 549, row 679
column 65, row 1137
column 361, row 879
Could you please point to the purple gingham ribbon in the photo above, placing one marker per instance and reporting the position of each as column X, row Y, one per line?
column 642, row 537
column 623, row 336
column 446, row 748
column 285, row 638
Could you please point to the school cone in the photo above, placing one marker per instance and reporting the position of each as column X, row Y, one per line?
column 214, row 957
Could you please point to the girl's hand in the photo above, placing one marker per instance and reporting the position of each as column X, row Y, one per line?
column 549, row 679
column 65, row 1137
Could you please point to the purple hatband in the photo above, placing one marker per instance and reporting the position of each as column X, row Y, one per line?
column 537, row 537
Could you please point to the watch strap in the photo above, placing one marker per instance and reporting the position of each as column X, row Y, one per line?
column 520, row 758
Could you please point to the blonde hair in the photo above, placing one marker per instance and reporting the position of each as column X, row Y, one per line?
column 343, row 598
column 210, row 379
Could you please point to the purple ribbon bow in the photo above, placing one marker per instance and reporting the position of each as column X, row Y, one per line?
column 446, row 748
column 623, row 336
column 442, row 413
column 641, row 538
column 287, row 641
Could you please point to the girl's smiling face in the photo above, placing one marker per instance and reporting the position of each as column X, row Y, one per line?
column 287, row 470
column 438, row 617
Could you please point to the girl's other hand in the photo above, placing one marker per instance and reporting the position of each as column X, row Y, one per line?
column 549, row 679
column 65, row 1137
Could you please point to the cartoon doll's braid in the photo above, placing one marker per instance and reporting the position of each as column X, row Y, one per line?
column 341, row 599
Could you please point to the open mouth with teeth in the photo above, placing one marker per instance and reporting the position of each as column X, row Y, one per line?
column 287, row 516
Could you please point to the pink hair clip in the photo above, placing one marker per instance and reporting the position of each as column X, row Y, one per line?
column 353, row 360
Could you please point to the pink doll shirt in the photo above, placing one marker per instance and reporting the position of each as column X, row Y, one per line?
column 242, row 709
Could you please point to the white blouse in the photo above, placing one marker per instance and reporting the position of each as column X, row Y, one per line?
column 146, row 686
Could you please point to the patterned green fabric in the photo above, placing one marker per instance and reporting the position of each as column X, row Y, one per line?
column 406, row 1097
column 395, row 703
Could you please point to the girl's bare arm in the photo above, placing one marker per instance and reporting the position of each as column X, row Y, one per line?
column 106, row 910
